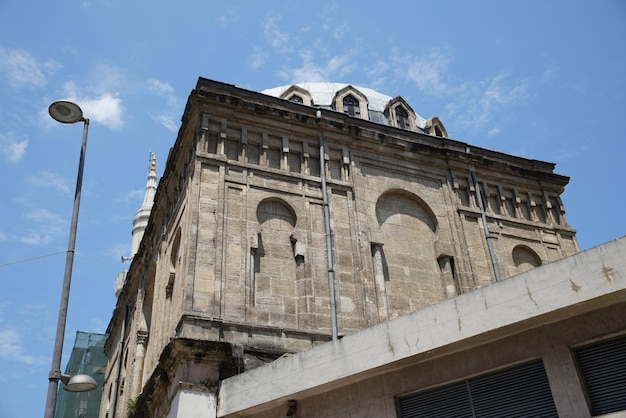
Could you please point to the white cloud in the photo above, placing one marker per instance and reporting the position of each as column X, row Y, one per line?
column 167, row 120
column 167, row 116
column 159, row 87
column 20, row 68
column 50, row 180
column 12, row 148
column 258, row 58
column 494, row 131
column 280, row 41
column 426, row 72
column 336, row 67
column 328, row 23
column 11, row 348
column 499, row 92
column 45, row 227
column 105, row 108
column 475, row 102
column 572, row 152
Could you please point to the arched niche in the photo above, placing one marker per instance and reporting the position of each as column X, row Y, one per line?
column 402, row 202
column 405, row 253
column 524, row 258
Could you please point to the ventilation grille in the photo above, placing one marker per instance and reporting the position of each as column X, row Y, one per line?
column 521, row 391
column 603, row 369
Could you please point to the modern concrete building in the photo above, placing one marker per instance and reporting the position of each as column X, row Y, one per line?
column 304, row 219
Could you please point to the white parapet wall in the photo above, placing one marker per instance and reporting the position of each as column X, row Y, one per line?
column 191, row 403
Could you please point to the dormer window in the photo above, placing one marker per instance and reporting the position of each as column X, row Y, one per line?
column 399, row 114
column 352, row 102
column 434, row 127
column 351, row 106
column 402, row 118
column 298, row 95
column 296, row 99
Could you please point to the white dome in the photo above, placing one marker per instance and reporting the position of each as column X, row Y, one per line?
column 323, row 93
column 365, row 103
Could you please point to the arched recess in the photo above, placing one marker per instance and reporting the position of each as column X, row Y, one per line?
column 273, row 260
column 408, row 231
column 174, row 257
column 148, row 299
column 525, row 259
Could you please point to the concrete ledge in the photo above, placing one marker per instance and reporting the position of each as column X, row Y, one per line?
column 571, row 286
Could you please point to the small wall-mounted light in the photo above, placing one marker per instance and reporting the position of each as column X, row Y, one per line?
column 293, row 406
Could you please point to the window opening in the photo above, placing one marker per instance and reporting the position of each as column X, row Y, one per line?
column 603, row 369
column 351, row 106
column 402, row 117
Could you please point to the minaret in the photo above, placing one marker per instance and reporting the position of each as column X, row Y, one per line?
column 140, row 221
column 143, row 214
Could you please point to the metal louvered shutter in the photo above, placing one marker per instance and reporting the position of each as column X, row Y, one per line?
column 603, row 369
column 521, row 391
column 449, row 401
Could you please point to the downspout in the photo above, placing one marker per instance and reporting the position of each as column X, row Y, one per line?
column 329, row 244
column 489, row 238
column 119, row 364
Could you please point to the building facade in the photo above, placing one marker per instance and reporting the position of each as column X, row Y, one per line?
column 87, row 358
column 291, row 218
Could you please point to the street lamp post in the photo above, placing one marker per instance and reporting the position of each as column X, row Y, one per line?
column 67, row 112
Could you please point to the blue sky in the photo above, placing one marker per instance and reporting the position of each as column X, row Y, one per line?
column 540, row 79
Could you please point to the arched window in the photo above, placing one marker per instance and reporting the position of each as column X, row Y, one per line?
column 402, row 117
column 297, row 94
column 434, row 126
column 351, row 106
column 352, row 102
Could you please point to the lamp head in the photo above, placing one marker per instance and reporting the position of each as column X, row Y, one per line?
column 65, row 111
column 78, row 383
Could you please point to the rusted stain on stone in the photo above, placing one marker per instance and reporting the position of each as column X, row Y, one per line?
column 575, row 287
column 530, row 295
column 609, row 274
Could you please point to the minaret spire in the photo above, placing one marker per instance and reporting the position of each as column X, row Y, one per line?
column 143, row 214
column 141, row 219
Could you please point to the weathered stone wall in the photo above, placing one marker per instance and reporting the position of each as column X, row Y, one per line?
column 236, row 246
column 407, row 227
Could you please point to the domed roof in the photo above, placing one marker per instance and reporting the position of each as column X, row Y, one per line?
column 323, row 93
column 359, row 102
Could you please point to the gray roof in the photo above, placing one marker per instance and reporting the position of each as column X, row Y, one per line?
column 323, row 93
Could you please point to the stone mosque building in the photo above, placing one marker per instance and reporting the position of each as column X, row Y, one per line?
column 321, row 250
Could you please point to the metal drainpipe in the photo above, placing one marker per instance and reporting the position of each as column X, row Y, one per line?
column 119, row 365
column 329, row 243
column 492, row 254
